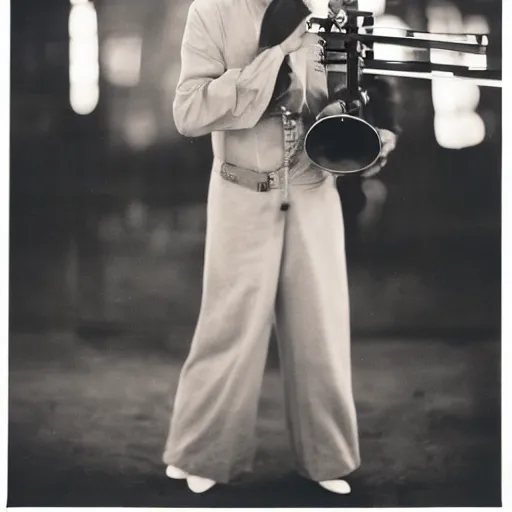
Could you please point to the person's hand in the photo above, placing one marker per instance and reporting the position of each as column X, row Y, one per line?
column 388, row 139
column 339, row 107
column 294, row 41
column 333, row 109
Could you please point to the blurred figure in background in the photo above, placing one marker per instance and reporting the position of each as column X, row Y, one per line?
column 275, row 251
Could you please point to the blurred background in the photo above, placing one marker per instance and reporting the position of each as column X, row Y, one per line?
column 106, row 249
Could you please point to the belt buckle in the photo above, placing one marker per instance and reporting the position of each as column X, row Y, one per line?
column 267, row 185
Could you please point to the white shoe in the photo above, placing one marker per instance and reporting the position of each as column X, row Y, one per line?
column 337, row 486
column 175, row 473
column 199, row 485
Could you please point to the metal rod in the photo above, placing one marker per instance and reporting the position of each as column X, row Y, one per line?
column 431, row 76
column 423, row 67
column 338, row 41
column 480, row 39
column 353, row 60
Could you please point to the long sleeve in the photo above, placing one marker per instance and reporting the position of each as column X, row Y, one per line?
column 210, row 97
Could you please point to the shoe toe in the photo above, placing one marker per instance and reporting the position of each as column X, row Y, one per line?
column 175, row 473
column 199, row 485
column 336, row 486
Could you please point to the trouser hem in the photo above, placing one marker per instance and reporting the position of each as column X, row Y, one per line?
column 322, row 476
column 208, row 471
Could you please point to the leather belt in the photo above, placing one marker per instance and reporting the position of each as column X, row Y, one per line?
column 257, row 181
column 280, row 179
column 265, row 181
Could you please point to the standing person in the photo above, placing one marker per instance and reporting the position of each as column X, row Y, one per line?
column 274, row 254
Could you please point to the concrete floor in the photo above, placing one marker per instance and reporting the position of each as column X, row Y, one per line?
column 87, row 428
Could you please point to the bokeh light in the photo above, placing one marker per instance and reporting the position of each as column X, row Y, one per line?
column 84, row 71
column 121, row 60
column 457, row 125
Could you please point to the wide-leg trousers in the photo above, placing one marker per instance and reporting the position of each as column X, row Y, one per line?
column 263, row 267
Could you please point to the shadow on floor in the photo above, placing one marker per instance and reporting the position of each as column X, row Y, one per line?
column 87, row 429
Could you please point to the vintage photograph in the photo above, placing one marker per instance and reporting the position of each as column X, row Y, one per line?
column 255, row 253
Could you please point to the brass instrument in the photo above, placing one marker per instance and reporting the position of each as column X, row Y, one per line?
column 345, row 143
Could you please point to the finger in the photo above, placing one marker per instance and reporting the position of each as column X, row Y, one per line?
column 332, row 109
column 372, row 171
column 386, row 150
column 388, row 139
column 388, row 145
column 376, row 168
column 391, row 145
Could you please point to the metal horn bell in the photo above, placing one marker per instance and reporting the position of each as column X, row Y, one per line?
column 343, row 144
column 340, row 141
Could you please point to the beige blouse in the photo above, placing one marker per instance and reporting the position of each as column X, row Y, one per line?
column 225, row 86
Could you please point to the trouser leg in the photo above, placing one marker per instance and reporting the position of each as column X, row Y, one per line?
column 312, row 320
column 213, row 424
